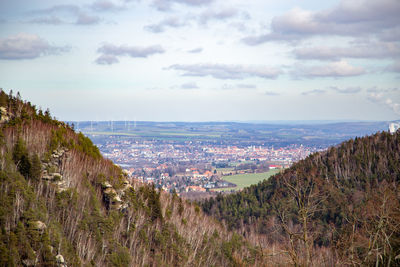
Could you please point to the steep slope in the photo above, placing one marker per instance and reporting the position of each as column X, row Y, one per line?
column 62, row 204
column 343, row 204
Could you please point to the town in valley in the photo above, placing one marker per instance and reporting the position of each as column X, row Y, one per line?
column 195, row 158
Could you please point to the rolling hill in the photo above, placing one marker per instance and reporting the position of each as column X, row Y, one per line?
column 339, row 207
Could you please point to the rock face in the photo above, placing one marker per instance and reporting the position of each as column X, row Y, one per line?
column 61, row 186
column 126, row 185
column 60, row 261
column 4, row 116
column 106, row 185
column 113, row 198
column 39, row 226
column 29, row 262
column 51, row 171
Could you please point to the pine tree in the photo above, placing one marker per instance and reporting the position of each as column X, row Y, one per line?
column 21, row 158
column 36, row 168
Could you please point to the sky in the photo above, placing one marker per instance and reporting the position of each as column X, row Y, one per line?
column 204, row 60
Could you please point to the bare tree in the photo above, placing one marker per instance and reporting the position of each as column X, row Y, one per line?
column 381, row 224
column 306, row 199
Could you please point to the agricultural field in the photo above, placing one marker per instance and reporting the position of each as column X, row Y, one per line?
column 245, row 180
column 235, row 133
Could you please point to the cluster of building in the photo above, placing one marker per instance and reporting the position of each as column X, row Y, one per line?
column 284, row 156
column 184, row 166
column 144, row 153
column 192, row 180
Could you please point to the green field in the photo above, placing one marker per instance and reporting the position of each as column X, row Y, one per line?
column 244, row 180
column 189, row 134
column 160, row 134
column 110, row 133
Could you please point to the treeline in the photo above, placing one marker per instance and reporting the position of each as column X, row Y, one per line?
column 339, row 207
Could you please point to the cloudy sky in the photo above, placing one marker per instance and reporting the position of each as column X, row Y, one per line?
column 204, row 60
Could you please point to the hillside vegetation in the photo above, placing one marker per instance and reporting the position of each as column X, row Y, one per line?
column 63, row 204
column 339, row 207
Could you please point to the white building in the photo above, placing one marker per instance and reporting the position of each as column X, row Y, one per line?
column 393, row 127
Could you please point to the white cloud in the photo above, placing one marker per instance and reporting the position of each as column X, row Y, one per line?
column 390, row 34
column 202, row 18
column 110, row 52
column 195, row 50
column 314, row 92
column 271, row 93
column 165, row 5
column 106, row 6
column 226, row 86
column 379, row 90
column 172, row 22
column 61, row 14
column 221, row 71
column 374, row 50
column 335, row 69
column 107, row 60
column 246, row 86
column 47, row 20
column 349, row 18
column 395, row 67
column 27, row 46
column 66, row 9
column 324, row 55
column 347, row 90
column 379, row 98
column 189, row 85
column 222, row 14
column 85, row 19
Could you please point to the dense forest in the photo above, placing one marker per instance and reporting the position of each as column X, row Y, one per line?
column 63, row 204
column 338, row 207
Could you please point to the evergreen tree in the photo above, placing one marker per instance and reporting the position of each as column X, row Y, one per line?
column 21, row 158
column 36, row 168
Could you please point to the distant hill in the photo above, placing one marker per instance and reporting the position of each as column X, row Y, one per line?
column 339, row 207
column 63, row 204
column 322, row 134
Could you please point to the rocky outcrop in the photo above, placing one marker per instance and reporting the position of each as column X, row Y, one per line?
column 60, row 261
column 113, row 198
column 126, row 185
column 38, row 226
column 30, row 262
column 4, row 116
column 51, row 170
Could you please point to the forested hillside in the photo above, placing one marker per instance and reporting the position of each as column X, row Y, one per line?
column 339, row 207
column 62, row 204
